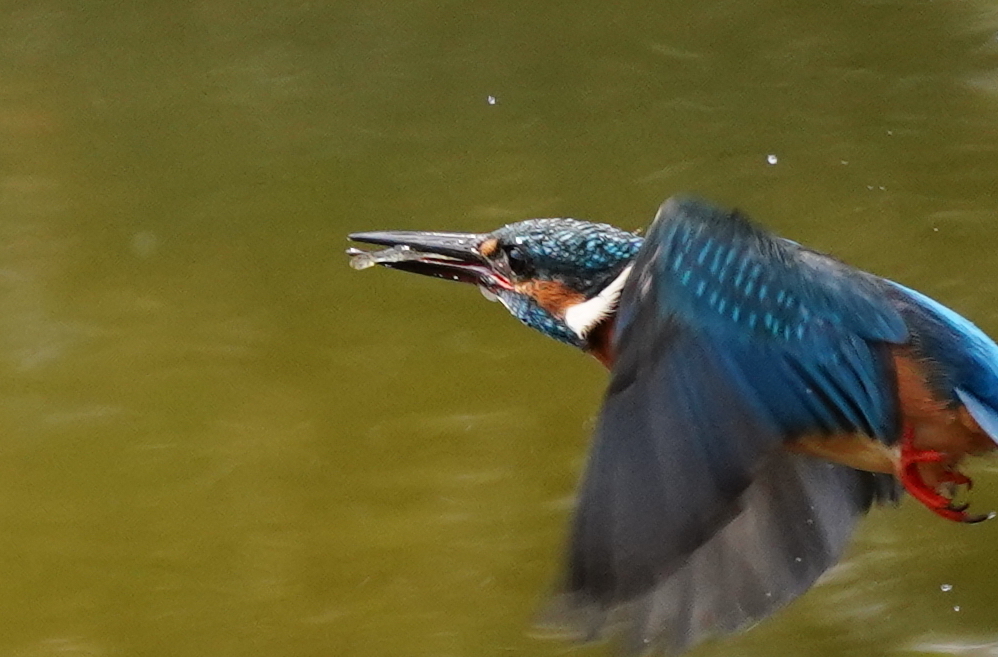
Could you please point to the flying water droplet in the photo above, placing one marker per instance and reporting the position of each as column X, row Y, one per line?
column 144, row 244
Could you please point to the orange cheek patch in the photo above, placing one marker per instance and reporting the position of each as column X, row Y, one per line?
column 550, row 295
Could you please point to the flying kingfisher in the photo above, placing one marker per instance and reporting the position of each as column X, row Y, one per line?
column 762, row 397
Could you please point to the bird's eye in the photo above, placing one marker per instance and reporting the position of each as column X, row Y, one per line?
column 517, row 259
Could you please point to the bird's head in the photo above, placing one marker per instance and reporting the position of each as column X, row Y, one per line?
column 562, row 277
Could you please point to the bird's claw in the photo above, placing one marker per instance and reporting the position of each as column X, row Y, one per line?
column 958, row 479
column 913, row 481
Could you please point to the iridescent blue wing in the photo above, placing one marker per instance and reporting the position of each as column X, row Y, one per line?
column 730, row 341
column 797, row 332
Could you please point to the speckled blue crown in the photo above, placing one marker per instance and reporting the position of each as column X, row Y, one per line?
column 569, row 248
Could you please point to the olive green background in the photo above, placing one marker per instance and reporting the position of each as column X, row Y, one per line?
column 218, row 440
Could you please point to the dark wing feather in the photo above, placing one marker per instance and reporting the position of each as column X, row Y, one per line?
column 794, row 522
column 729, row 342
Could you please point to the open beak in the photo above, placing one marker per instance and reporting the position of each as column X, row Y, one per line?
column 452, row 256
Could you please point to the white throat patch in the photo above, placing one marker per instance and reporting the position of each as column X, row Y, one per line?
column 583, row 317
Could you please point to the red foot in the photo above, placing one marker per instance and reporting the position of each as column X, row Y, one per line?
column 911, row 478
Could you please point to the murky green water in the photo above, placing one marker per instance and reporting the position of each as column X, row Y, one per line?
column 219, row 440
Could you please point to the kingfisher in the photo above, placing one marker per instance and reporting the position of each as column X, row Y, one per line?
column 762, row 397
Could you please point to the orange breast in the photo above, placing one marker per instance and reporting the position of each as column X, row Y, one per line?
column 936, row 424
column 855, row 450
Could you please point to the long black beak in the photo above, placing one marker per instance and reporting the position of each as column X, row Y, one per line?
column 452, row 256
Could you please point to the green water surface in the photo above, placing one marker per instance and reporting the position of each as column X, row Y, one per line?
column 218, row 440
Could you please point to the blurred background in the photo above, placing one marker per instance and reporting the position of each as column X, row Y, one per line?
column 217, row 439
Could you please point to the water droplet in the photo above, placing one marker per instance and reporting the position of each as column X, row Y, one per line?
column 946, row 588
column 771, row 159
column 144, row 244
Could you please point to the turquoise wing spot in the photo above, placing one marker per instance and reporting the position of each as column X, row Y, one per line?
column 741, row 269
column 716, row 263
column 705, row 251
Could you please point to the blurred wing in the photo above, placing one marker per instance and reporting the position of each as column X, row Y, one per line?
column 794, row 523
column 729, row 341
